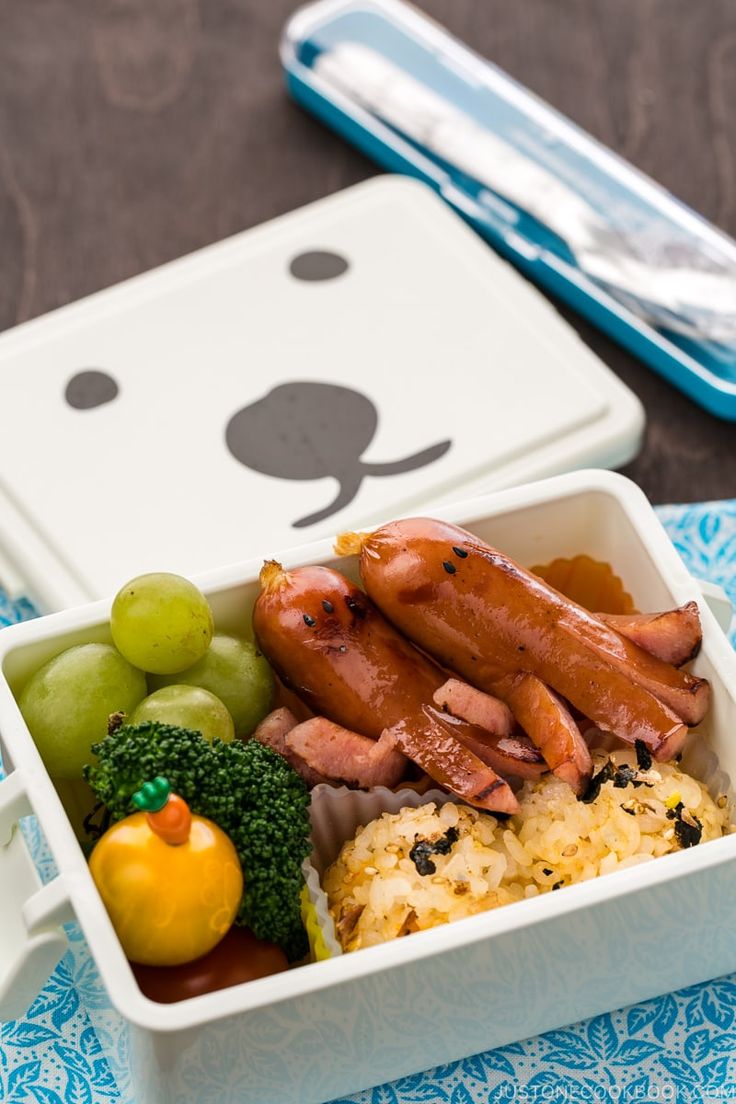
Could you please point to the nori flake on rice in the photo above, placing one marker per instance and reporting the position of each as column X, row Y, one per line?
column 422, row 849
column 688, row 829
column 643, row 755
column 621, row 776
column 593, row 789
column 624, row 776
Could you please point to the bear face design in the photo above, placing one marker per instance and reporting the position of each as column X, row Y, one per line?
column 306, row 430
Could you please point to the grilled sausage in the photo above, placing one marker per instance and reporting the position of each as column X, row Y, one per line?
column 540, row 712
column 331, row 646
column 513, row 756
column 431, row 744
column 484, row 617
column 674, row 636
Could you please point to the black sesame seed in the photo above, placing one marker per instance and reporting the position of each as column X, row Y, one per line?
column 558, row 885
column 643, row 755
column 449, row 568
column 460, row 552
column 327, row 606
column 546, row 870
column 309, row 621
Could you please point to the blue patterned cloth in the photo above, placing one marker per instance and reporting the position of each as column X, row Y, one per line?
column 677, row 1048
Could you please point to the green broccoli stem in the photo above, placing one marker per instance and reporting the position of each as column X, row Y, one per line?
column 248, row 790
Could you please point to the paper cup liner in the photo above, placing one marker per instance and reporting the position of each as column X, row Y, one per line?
column 337, row 814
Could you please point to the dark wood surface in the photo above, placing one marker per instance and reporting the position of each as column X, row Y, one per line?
column 133, row 131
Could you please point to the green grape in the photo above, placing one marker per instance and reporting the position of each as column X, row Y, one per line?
column 188, row 707
column 236, row 672
column 161, row 623
column 67, row 702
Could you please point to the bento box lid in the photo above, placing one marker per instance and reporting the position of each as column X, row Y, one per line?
column 363, row 356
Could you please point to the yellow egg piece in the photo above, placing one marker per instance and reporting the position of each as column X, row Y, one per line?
column 169, row 904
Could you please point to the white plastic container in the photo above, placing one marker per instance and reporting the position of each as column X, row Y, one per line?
column 335, row 1027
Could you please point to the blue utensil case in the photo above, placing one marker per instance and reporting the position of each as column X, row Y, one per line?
column 570, row 214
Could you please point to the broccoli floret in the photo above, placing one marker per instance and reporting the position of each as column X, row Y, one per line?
column 248, row 790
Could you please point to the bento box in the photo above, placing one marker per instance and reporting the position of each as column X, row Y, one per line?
column 333, row 1027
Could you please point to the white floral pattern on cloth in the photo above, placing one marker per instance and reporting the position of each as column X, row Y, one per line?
column 681, row 1047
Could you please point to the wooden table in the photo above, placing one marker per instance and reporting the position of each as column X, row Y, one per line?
column 133, row 131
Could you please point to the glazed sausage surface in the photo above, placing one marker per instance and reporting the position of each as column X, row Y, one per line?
column 547, row 720
column 332, row 648
column 330, row 645
column 483, row 616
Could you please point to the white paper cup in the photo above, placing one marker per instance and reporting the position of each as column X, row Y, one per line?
column 337, row 814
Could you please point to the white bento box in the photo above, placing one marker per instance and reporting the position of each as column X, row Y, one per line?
column 334, row 1027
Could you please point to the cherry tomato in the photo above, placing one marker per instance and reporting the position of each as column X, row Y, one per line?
column 238, row 957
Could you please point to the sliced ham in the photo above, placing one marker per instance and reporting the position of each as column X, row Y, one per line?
column 273, row 729
column 548, row 722
column 475, row 707
column 674, row 636
column 345, row 756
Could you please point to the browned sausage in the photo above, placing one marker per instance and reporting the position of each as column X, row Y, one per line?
column 331, row 646
column 450, row 762
column 540, row 712
column 483, row 616
column 512, row 756
column 674, row 636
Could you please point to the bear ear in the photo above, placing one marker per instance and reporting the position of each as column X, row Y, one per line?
column 90, row 388
column 318, row 264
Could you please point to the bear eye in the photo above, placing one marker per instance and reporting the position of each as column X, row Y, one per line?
column 318, row 264
column 90, row 388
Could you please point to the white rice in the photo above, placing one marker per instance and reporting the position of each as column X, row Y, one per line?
column 376, row 890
